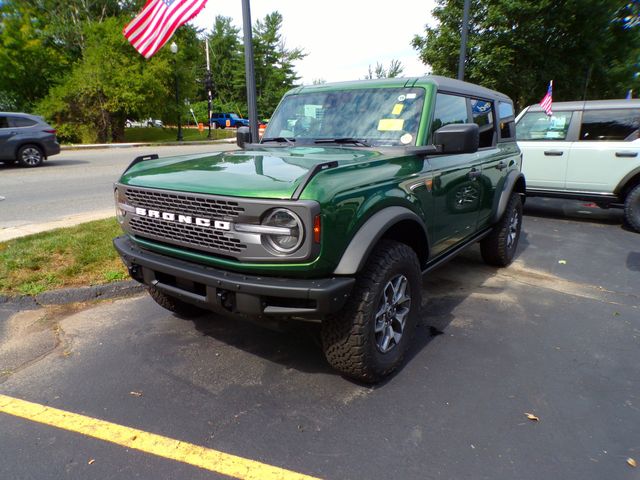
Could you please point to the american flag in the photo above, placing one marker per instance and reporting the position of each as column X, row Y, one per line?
column 545, row 103
column 155, row 24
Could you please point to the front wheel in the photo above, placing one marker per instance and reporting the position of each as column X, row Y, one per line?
column 632, row 208
column 368, row 339
column 30, row 156
column 499, row 247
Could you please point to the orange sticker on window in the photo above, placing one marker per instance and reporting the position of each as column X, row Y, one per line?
column 390, row 124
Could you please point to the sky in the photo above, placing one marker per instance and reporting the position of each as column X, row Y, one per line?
column 342, row 37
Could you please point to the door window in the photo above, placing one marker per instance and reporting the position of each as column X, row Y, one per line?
column 449, row 109
column 610, row 125
column 482, row 111
column 21, row 122
column 540, row 126
column 507, row 120
column 3, row 122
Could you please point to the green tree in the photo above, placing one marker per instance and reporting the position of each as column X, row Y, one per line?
column 395, row 70
column 517, row 46
column 112, row 82
column 274, row 62
column 29, row 62
column 227, row 65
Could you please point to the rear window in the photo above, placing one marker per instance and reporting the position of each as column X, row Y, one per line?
column 482, row 111
column 507, row 120
column 21, row 122
column 610, row 125
column 540, row 126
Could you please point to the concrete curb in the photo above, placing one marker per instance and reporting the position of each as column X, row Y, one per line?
column 96, row 146
column 71, row 295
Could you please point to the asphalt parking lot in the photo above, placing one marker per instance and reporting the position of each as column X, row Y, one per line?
column 556, row 335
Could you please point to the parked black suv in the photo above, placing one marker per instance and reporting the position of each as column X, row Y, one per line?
column 26, row 139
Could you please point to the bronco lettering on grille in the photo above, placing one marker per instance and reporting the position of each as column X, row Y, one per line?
column 188, row 219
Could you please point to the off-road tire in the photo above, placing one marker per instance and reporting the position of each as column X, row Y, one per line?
column 632, row 208
column 30, row 156
column 499, row 247
column 349, row 338
column 175, row 305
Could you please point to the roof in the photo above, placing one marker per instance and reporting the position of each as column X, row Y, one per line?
column 22, row 114
column 442, row 83
column 590, row 105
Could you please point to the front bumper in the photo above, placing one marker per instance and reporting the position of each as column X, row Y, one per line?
column 224, row 291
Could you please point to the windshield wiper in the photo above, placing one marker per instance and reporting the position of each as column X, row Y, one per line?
column 279, row 140
column 354, row 141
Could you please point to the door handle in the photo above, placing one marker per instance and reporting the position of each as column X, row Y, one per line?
column 501, row 165
column 627, row 154
column 554, row 153
column 474, row 173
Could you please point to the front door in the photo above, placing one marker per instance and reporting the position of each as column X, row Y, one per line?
column 545, row 149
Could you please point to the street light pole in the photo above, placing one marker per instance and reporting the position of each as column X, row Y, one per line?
column 174, row 49
column 463, row 40
column 209, row 86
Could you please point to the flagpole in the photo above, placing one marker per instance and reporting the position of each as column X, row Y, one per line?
column 249, row 71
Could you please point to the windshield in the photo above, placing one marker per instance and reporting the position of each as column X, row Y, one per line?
column 377, row 117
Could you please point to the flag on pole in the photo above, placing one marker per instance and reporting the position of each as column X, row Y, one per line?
column 546, row 101
column 629, row 94
column 155, row 24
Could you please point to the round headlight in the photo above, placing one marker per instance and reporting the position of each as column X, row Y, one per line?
column 292, row 235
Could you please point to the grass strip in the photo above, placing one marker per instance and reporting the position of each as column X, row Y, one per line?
column 138, row 134
column 65, row 257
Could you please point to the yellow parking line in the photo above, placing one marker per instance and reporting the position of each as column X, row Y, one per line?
column 195, row 455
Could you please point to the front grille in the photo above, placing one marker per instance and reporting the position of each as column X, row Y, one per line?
column 184, row 204
column 185, row 234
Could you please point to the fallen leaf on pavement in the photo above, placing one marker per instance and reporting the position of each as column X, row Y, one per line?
column 136, row 394
column 632, row 462
column 562, row 262
column 90, row 462
column 532, row 417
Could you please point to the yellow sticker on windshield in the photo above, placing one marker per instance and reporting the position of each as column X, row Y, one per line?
column 397, row 109
column 390, row 124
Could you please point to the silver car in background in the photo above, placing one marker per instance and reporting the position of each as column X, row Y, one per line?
column 26, row 139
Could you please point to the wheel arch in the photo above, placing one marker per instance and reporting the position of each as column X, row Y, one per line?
column 628, row 183
column 392, row 223
column 26, row 143
column 514, row 182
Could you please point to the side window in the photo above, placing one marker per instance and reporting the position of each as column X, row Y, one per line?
column 449, row 109
column 507, row 121
column 21, row 122
column 482, row 111
column 610, row 125
column 3, row 122
column 540, row 126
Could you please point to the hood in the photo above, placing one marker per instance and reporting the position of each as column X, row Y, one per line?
column 259, row 173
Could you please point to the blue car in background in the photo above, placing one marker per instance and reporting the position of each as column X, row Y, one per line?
column 223, row 120
column 26, row 139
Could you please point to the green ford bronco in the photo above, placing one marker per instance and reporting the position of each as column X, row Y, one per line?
column 354, row 193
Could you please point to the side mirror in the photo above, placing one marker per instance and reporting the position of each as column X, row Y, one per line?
column 458, row 138
column 243, row 136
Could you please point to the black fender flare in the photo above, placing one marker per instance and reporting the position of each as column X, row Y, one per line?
column 365, row 239
column 500, row 203
column 624, row 183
